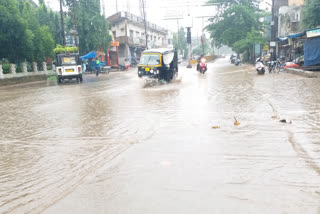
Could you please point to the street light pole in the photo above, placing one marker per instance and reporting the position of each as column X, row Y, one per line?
column 62, row 25
column 145, row 24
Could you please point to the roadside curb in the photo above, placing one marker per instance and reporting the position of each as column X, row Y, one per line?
column 23, row 79
column 300, row 72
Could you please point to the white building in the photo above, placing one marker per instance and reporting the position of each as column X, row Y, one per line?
column 129, row 31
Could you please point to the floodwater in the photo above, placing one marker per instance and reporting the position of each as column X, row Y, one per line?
column 116, row 144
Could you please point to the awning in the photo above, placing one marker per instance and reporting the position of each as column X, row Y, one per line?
column 283, row 38
column 296, row 35
column 291, row 36
column 89, row 55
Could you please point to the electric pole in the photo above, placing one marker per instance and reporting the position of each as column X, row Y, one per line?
column 145, row 24
column 117, row 5
column 75, row 14
column 62, row 25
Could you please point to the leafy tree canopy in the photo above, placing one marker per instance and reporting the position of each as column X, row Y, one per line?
column 235, row 18
column 311, row 15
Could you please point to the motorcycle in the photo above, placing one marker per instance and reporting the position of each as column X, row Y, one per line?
column 202, row 67
column 237, row 62
column 260, row 68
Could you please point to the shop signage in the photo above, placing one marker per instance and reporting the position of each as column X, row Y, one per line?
column 313, row 33
column 114, row 44
column 273, row 44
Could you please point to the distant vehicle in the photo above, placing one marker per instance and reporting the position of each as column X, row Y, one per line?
column 202, row 67
column 233, row 58
column 159, row 64
column 237, row 62
column 68, row 66
column 260, row 68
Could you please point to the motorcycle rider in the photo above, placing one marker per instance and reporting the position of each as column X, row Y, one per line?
column 199, row 60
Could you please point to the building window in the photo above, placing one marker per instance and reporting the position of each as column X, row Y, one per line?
column 131, row 33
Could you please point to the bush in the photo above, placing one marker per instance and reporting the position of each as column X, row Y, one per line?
column 6, row 68
column 40, row 66
column 18, row 68
column 49, row 66
column 29, row 67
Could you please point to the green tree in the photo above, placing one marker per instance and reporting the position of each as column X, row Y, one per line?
column 14, row 37
column 311, row 15
column 234, row 20
column 203, row 49
column 180, row 42
column 92, row 27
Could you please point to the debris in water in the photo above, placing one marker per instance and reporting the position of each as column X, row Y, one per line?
column 216, row 127
column 236, row 123
column 275, row 116
column 285, row 121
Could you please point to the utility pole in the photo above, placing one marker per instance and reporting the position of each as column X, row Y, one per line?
column 178, row 28
column 62, row 25
column 145, row 24
column 75, row 23
column 117, row 5
column 75, row 15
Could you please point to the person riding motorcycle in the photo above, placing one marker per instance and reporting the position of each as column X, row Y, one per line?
column 199, row 60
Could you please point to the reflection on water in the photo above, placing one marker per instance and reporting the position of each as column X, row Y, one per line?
column 52, row 137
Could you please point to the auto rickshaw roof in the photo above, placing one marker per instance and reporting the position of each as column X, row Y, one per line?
column 159, row 50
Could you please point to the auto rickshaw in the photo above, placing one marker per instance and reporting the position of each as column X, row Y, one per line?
column 161, row 64
column 68, row 66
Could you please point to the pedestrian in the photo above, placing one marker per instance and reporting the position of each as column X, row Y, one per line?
column 97, row 67
column 84, row 66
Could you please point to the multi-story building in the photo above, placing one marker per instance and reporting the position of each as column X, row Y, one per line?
column 129, row 31
column 290, row 30
column 276, row 4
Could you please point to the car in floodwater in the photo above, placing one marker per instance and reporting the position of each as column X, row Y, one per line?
column 161, row 64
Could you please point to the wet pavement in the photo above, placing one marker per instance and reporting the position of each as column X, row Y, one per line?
column 115, row 144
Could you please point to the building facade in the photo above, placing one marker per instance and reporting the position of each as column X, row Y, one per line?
column 129, row 31
column 296, row 2
column 290, row 30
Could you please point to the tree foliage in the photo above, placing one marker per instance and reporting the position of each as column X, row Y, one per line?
column 180, row 42
column 203, row 49
column 233, row 22
column 23, row 36
column 311, row 15
column 92, row 27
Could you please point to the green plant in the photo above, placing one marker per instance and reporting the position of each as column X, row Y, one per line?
column 6, row 68
column 49, row 67
column 29, row 67
column 18, row 68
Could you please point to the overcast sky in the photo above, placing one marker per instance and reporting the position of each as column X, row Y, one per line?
column 158, row 11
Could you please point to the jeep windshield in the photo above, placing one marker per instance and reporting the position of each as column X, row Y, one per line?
column 150, row 59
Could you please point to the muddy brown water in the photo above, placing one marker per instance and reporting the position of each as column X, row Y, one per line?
column 118, row 144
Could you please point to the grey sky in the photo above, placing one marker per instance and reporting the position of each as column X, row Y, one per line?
column 158, row 11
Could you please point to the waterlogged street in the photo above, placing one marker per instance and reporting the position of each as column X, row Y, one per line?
column 118, row 145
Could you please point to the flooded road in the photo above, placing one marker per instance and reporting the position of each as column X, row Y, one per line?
column 116, row 145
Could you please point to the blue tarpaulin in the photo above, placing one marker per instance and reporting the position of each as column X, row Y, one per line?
column 312, row 52
column 90, row 55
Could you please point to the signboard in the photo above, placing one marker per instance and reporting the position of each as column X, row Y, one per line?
column 313, row 33
column 266, row 48
column 114, row 43
column 273, row 44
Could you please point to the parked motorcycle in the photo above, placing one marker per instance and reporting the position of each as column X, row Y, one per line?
column 202, row 67
column 260, row 68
